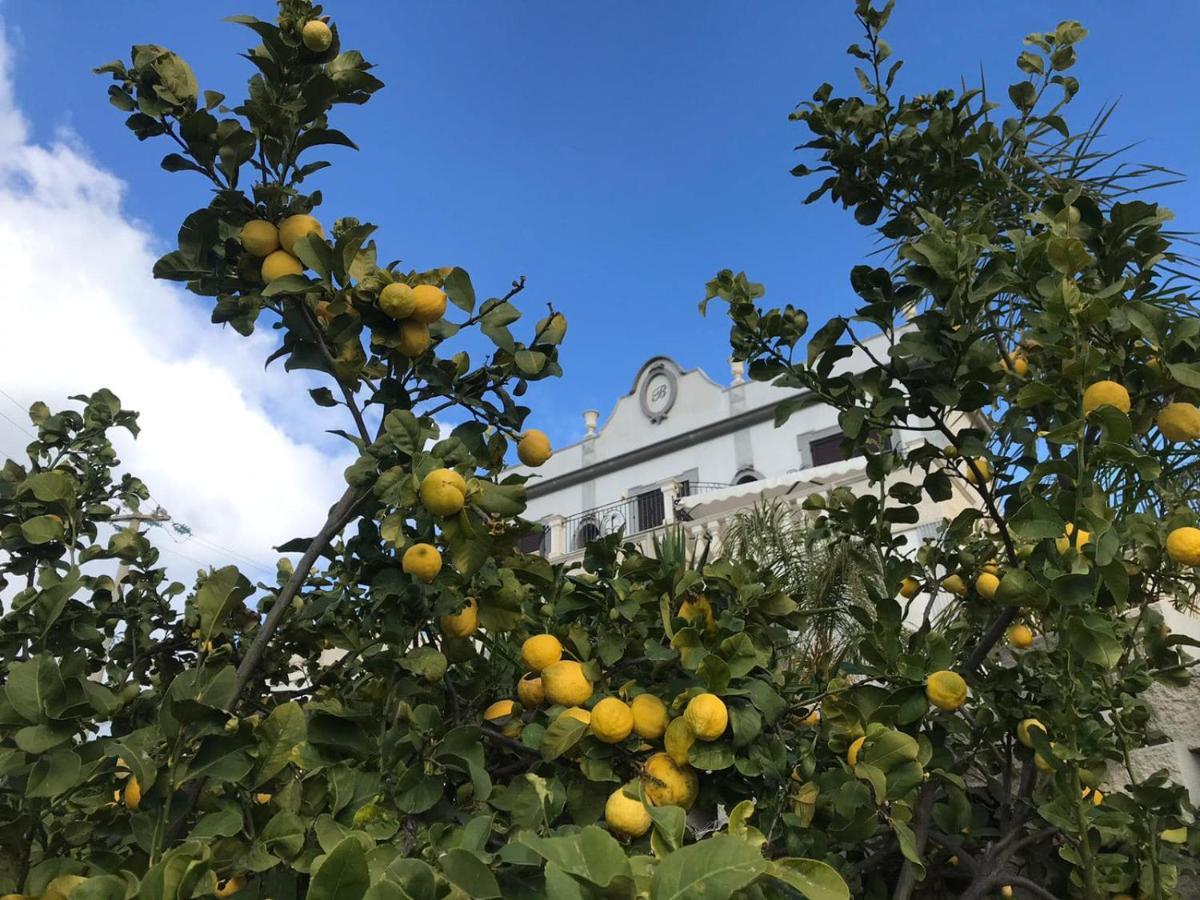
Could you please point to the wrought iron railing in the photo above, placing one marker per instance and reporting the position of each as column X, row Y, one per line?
column 631, row 515
column 692, row 488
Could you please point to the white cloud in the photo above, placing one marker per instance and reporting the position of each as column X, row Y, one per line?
column 235, row 453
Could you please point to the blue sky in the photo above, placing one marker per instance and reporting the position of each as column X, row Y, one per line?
column 616, row 153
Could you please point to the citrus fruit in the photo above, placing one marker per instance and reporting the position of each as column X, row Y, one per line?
column 443, row 492
column 946, row 690
column 293, row 228
column 259, row 237
column 979, row 473
column 565, row 684
column 626, row 815
column 852, row 752
column 1105, row 393
column 396, row 300
column 1183, row 546
column 955, row 585
column 812, row 720
column 909, row 587
column 501, row 709
column 533, row 448
column 1023, row 730
column 667, row 784
column 280, row 263
column 429, row 303
column 678, row 740
column 698, row 611
column 132, row 795
column 612, row 720
column 579, row 714
column 530, row 691
column 422, row 560
column 1015, row 361
column 707, row 716
column 987, row 584
column 316, row 35
column 1080, row 536
column 413, row 338
column 462, row 623
column 1020, row 637
column 229, row 886
column 1043, row 764
column 540, row 651
column 649, row 716
column 1179, row 422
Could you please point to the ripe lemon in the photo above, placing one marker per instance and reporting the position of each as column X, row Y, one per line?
column 293, row 228
column 422, row 560
column 987, row 584
column 1023, row 730
column 698, row 611
column 1020, row 365
column 1105, row 393
column 259, row 237
column 280, row 263
column 565, row 684
column 955, row 585
column 852, row 753
column 530, row 691
column 1043, row 764
column 979, row 473
column 413, row 339
column 991, row 568
column 132, row 795
column 462, row 623
column 429, row 303
column 551, row 330
column 540, row 651
column 667, row 784
column 579, row 714
column 909, row 587
column 533, row 448
column 1179, row 422
column 946, row 690
column 262, row 799
column 317, row 36
column 649, row 716
column 1096, row 795
column 1174, row 835
column 1006, row 891
column 612, row 720
column 501, row 709
column 1183, row 546
column 443, row 492
column 1020, row 637
column 707, row 716
column 1080, row 536
column 678, row 740
column 626, row 815
column 812, row 720
column 230, row 886
column 396, row 300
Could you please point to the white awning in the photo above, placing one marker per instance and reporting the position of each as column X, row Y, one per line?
column 793, row 484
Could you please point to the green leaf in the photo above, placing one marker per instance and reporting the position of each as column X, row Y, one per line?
column 50, row 487
column 282, row 731
column 343, row 874
column 35, row 688
column 426, row 662
column 812, row 878
column 1094, row 637
column 417, row 792
column 42, row 529
column 889, row 749
column 712, row 869
column 1019, row 588
column 711, row 756
column 220, row 594
column 469, row 873
column 593, row 856
column 1035, row 520
column 459, row 289
column 53, row 774
column 288, row 284
column 561, row 735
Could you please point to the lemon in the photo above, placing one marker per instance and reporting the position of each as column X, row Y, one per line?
column 1179, row 422
column 462, row 623
column 1043, row 764
column 259, row 237
column 133, row 793
column 1019, row 364
column 946, row 690
column 612, row 720
column 1174, row 835
column 678, row 740
column 540, row 651
column 422, row 560
column 626, row 815
column 530, row 691
column 812, row 720
column 955, row 585
column 414, row 338
column 1105, row 393
column 667, row 784
column 429, row 303
column 991, row 568
column 909, row 587
column 533, row 448
column 230, row 886
column 1020, row 637
column 293, row 228
column 501, row 709
column 396, row 300
column 565, row 684
column 707, row 716
column 1080, row 536
column 649, row 716
column 1006, row 891
column 979, row 473
column 987, row 584
column 551, row 330
column 262, row 799
column 1096, row 795
column 1023, row 728
column 1183, row 546
column 443, row 492
column 852, row 752
column 698, row 611
column 579, row 714
column 317, row 36
column 280, row 263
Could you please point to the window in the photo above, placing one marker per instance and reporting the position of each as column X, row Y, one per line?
column 534, row 542
column 827, row 449
column 650, row 510
column 746, row 476
column 587, row 532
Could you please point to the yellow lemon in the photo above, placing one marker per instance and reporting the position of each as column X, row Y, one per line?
column 1183, row 546
column 1043, row 764
column 530, row 691
column 707, row 716
column 462, row 623
column 230, row 886
column 678, row 740
column 812, row 720
column 1096, row 795
column 316, row 35
column 612, row 720
column 667, row 784
column 413, row 339
column 501, row 709
column 1020, row 637
column 649, row 716
column 626, row 815
column 133, row 793
column 443, row 492
column 579, row 714
column 987, row 584
column 533, row 448
column 852, row 752
column 540, row 651
column 1006, row 891
column 396, row 300
column 259, row 237
column 979, row 473
column 946, row 690
column 565, row 684
column 1080, row 536
column 955, row 585
column 991, row 568
column 262, row 799
column 422, row 560
column 293, row 228
column 429, row 303
column 1023, row 730
column 280, row 263
column 1019, row 364
column 1105, row 393
column 1179, row 422
column 909, row 587
column 1174, row 835
column 698, row 611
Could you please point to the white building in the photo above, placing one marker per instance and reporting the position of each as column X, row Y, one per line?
column 679, row 447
